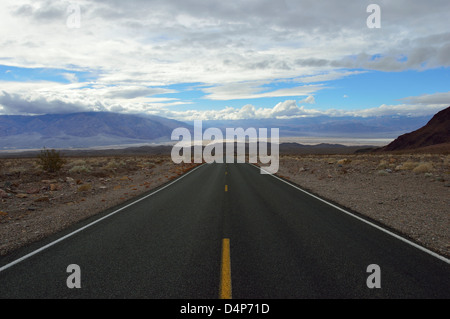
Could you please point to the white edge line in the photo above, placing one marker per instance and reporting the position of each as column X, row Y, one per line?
column 91, row 224
column 432, row 253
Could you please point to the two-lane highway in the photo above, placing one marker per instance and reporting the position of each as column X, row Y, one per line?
column 225, row 230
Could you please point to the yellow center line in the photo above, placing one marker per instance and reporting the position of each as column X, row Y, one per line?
column 225, row 280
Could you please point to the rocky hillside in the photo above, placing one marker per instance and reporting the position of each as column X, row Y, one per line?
column 435, row 133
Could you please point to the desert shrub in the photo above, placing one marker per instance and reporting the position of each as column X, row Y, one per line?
column 344, row 161
column 423, row 168
column 111, row 165
column 382, row 172
column 447, row 160
column 78, row 162
column 80, row 169
column 148, row 164
column 383, row 165
column 100, row 174
column 98, row 163
column 50, row 160
column 17, row 170
column 130, row 164
column 408, row 166
column 85, row 188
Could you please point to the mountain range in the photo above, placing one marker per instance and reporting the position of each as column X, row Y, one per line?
column 82, row 130
column 104, row 129
column 327, row 126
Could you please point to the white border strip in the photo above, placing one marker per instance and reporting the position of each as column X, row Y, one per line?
column 363, row 220
column 91, row 224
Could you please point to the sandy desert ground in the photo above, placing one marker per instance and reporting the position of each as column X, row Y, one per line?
column 407, row 193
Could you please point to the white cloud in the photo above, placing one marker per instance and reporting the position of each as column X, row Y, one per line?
column 331, row 76
column 412, row 110
column 52, row 97
column 290, row 109
column 426, row 99
column 40, row 104
column 46, row 97
column 71, row 77
column 235, row 49
column 255, row 90
column 309, row 100
column 189, row 41
column 132, row 92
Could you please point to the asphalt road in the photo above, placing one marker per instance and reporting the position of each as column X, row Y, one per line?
column 225, row 230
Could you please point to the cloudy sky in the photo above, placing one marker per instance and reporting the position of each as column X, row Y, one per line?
column 193, row 59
